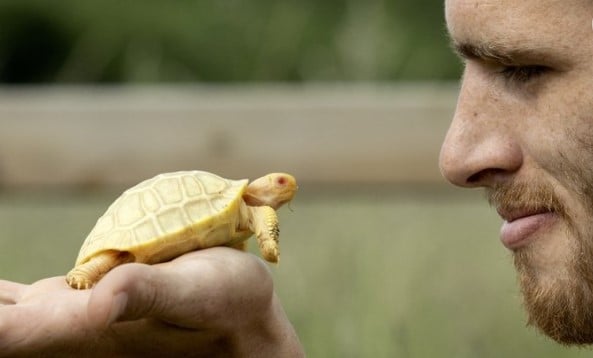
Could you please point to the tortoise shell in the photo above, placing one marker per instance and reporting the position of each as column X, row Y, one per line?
column 168, row 215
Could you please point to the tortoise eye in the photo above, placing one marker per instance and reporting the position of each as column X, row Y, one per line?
column 281, row 180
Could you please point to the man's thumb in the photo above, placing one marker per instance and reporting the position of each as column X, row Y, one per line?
column 126, row 293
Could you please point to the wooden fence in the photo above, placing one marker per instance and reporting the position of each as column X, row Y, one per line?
column 70, row 136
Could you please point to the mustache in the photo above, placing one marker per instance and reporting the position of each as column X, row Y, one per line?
column 524, row 197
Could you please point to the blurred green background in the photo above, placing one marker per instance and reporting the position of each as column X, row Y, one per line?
column 223, row 41
column 371, row 267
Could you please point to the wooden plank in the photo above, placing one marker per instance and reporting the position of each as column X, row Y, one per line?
column 321, row 133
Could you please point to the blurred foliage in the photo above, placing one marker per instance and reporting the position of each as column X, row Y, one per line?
column 223, row 41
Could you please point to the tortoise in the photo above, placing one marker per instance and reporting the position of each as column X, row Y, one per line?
column 174, row 213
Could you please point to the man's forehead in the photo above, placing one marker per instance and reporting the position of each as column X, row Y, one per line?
column 523, row 8
column 504, row 16
column 524, row 25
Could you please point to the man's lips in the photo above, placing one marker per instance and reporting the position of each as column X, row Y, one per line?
column 512, row 214
column 520, row 225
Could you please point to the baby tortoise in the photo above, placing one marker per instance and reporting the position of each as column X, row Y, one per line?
column 174, row 213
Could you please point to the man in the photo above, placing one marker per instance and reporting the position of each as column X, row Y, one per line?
column 211, row 303
column 523, row 129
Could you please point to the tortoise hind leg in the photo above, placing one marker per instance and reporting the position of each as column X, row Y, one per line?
column 264, row 223
column 86, row 275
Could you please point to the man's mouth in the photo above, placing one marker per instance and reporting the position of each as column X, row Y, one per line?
column 521, row 224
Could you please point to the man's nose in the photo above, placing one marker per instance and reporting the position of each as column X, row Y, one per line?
column 481, row 146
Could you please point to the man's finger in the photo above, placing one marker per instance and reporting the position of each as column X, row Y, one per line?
column 205, row 287
column 109, row 298
column 136, row 291
column 10, row 292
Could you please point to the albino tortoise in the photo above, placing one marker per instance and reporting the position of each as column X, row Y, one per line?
column 174, row 213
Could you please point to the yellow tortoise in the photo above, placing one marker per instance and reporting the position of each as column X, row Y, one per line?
column 174, row 213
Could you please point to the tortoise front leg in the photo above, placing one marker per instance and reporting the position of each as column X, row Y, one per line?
column 264, row 223
column 86, row 275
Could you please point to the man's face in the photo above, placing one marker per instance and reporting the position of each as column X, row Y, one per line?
column 523, row 129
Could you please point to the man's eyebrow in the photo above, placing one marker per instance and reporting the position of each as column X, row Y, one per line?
column 501, row 54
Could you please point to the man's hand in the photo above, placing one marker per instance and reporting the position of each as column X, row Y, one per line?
column 215, row 302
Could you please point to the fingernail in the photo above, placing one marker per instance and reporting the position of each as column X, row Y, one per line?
column 118, row 306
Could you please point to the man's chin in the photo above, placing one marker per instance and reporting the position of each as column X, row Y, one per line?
column 559, row 306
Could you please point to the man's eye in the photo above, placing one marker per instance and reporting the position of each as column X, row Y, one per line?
column 522, row 74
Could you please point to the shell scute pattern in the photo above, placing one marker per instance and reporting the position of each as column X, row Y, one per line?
column 192, row 186
column 161, row 206
column 131, row 212
column 145, row 229
column 168, row 190
column 195, row 209
column 172, row 219
column 150, row 202
column 104, row 225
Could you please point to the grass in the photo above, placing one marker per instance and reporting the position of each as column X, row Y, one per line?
column 399, row 272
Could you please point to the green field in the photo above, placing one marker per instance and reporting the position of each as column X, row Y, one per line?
column 399, row 272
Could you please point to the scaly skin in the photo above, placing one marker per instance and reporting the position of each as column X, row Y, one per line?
column 86, row 275
column 273, row 190
column 264, row 223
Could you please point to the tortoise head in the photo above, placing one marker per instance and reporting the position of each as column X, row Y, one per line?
column 273, row 190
